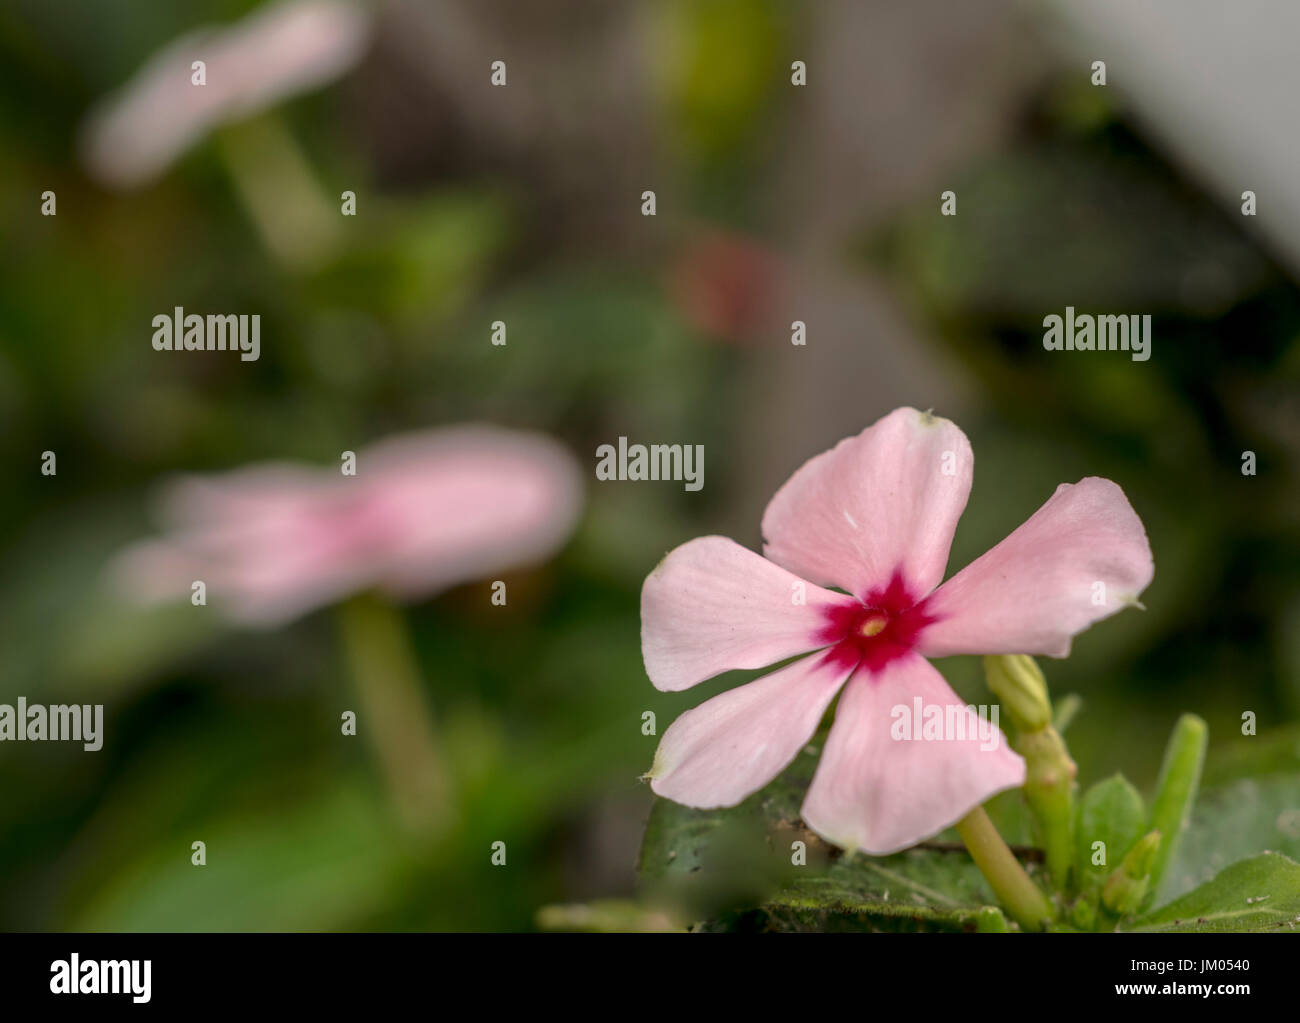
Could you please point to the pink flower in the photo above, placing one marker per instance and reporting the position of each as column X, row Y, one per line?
column 875, row 516
column 276, row 52
column 424, row 512
column 724, row 284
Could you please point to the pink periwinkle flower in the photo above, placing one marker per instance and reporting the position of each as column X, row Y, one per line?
column 425, row 511
column 875, row 517
column 276, row 52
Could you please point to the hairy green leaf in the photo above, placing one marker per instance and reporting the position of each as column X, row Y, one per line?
column 1111, row 812
column 756, row 866
column 1257, row 894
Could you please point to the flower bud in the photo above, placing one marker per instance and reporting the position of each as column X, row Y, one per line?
column 1017, row 682
column 1127, row 886
column 989, row 920
column 1084, row 913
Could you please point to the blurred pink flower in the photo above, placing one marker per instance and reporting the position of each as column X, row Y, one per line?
column 875, row 515
column 424, row 512
column 725, row 284
column 279, row 50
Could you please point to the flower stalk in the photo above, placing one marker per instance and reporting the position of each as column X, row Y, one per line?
column 394, row 713
column 281, row 192
column 1017, row 682
column 1013, row 887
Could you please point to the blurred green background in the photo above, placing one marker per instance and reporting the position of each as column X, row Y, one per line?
column 522, row 204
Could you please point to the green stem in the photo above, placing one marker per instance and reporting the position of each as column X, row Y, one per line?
column 1049, row 791
column 1018, row 682
column 279, row 190
column 1013, row 887
column 394, row 713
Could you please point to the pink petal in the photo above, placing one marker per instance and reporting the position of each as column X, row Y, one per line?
column 280, row 552
column 734, row 744
column 881, row 794
column 468, row 502
column 886, row 500
column 279, row 50
column 425, row 511
column 712, row 606
column 1038, row 588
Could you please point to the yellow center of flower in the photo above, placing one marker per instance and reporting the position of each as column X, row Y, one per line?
column 874, row 625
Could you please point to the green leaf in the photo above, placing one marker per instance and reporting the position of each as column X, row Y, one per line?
column 929, row 889
column 325, row 864
column 1235, row 821
column 733, row 869
column 1141, row 241
column 1258, row 894
column 1175, row 795
column 1112, row 812
column 1275, row 752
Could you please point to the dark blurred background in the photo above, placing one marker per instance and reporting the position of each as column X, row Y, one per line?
column 775, row 203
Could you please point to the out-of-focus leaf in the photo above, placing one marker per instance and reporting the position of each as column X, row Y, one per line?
column 581, row 339
column 1258, row 894
column 112, row 650
column 424, row 261
column 63, row 629
column 722, row 66
column 320, row 865
column 1274, row 752
column 1234, row 821
column 733, row 869
column 1117, row 237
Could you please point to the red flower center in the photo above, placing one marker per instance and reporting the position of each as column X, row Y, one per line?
column 881, row 626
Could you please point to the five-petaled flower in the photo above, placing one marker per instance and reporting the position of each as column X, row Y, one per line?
column 875, row 517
